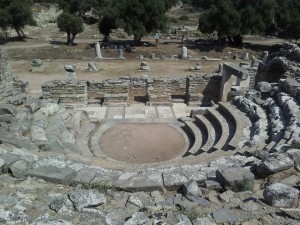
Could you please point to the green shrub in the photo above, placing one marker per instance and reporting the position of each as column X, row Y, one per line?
column 243, row 185
column 192, row 214
column 184, row 18
column 101, row 186
column 173, row 20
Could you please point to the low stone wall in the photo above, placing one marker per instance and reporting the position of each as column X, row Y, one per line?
column 203, row 89
column 195, row 88
column 66, row 91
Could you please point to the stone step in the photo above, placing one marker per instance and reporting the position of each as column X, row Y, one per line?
column 196, row 134
column 55, row 128
column 271, row 145
column 95, row 138
column 234, row 117
column 210, row 131
column 83, row 138
column 224, row 128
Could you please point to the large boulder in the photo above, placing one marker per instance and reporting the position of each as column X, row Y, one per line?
column 191, row 188
column 86, row 198
column 264, row 87
column 281, row 195
column 235, row 178
column 274, row 163
column 19, row 168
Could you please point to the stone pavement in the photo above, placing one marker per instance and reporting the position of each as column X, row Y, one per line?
column 139, row 111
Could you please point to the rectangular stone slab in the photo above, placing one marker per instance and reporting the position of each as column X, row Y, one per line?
column 54, row 174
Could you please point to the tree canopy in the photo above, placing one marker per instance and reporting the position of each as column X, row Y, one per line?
column 137, row 17
column 71, row 24
column 232, row 18
column 16, row 14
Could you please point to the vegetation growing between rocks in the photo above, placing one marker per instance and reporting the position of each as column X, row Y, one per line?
column 243, row 185
column 192, row 214
column 100, row 186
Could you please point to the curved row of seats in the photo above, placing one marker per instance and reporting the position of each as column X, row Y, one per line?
column 283, row 122
column 219, row 128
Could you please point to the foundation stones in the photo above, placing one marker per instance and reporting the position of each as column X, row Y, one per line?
column 198, row 67
column 70, row 71
column 144, row 66
column 246, row 56
column 92, row 67
column 184, row 53
column 37, row 65
column 98, row 51
column 120, row 54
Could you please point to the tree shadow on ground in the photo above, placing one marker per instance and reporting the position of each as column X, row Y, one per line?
column 262, row 47
column 4, row 40
column 61, row 43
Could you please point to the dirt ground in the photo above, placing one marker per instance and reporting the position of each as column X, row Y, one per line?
column 142, row 143
column 48, row 44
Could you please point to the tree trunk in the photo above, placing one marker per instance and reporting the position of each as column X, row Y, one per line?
column 238, row 40
column 137, row 40
column 22, row 33
column 18, row 32
column 68, row 38
column 106, row 38
column 72, row 39
column 230, row 41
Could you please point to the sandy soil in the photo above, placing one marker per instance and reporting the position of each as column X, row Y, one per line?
column 142, row 143
column 109, row 69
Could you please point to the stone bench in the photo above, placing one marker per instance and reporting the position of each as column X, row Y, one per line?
column 55, row 128
column 95, row 138
column 83, row 138
column 233, row 115
column 211, row 133
column 196, row 135
column 290, row 108
column 222, row 123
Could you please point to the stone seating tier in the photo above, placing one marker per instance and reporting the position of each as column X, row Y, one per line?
column 209, row 130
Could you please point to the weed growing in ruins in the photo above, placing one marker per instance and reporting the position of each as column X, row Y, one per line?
column 243, row 185
column 101, row 186
column 192, row 214
column 184, row 18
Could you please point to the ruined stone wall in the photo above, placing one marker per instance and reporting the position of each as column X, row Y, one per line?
column 116, row 87
column 203, row 88
column 95, row 88
column 138, row 86
column 10, row 80
column 159, row 89
column 156, row 89
column 66, row 91
column 178, row 86
column 280, row 65
column 5, row 71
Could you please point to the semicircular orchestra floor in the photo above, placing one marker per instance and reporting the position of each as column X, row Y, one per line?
column 142, row 143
